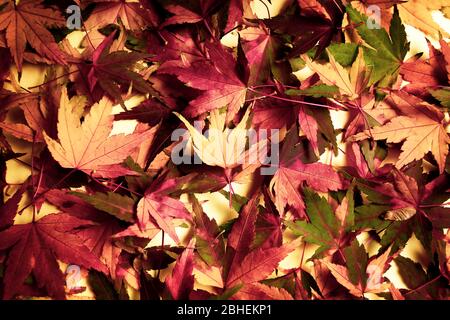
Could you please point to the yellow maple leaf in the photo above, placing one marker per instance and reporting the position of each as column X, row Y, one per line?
column 420, row 134
column 222, row 146
column 418, row 13
column 87, row 145
column 333, row 74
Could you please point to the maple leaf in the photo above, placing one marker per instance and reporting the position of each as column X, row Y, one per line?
column 274, row 114
column 408, row 202
column 181, row 282
column 113, row 203
column 149, row 232
column 149, row 111
column 133, row 15
column 315, row 26
column 241, row 236
column 25, row 23
column 350, row 84
column 258, row 291
column 9, row 208
column 3, row 45
column 305, row 285
column 97, row 236
column 6, row 57
column 363, row 161
column 443, row 95
column 409, row 207
column 268, row 226
column 246, row 266
column 384, row 6
column 223, row 147
column 361, row 276
column 333, row 75
column 111, row 69
column 386, row 51
column 226, row 148
column 208, row 275
column 423, row 74
column 444, row 254
column 292, row 172
column 189, row 13
column 158, row 207
column 315, row 121
column 419, row 14
column 416, row 279
column 218, row 77
column 446, row 52
column 409, row 197
column 183, row 43
column 34, row 247
column 210, row 246
column 324, row 228
column 257, row 265
column 421, row 128
column 18, row 130
column 40, row 115
column 237, row 11
column 260, row 48
column 87, row 146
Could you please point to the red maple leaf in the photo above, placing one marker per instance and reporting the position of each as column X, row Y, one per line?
column 292, row 173
column 106, row 70
column 426, row 74
column 135, row 16
column 318, row 22
column 219, row 77
column 97, row 236
column 34, row 248
column 181, row 282
column 25, row 23
column 159, row 208
column 243, row 263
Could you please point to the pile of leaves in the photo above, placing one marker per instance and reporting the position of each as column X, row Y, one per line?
column 118, row 207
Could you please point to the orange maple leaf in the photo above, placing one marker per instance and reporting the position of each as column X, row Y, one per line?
column 87, row 146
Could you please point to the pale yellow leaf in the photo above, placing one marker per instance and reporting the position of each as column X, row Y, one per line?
column 222, row 146
column 420, row 135
column 87, row 146
column 418, row 13
column 331, row 74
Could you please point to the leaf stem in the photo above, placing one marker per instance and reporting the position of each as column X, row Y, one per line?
column 52, row 80
column 267, row 8
column 208, row 28
column 423, row 285
column 162, row 248
column 117, row 186
column 291, row 100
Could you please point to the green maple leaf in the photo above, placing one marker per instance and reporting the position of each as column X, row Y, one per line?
column 344, row 53
column 323, row 228
column 398, row 233
column 356, row 260
column 423, row 284
column 386, row 51
column 122, row 207
column 368, row 216
column 317, row 91
column 443, row 95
